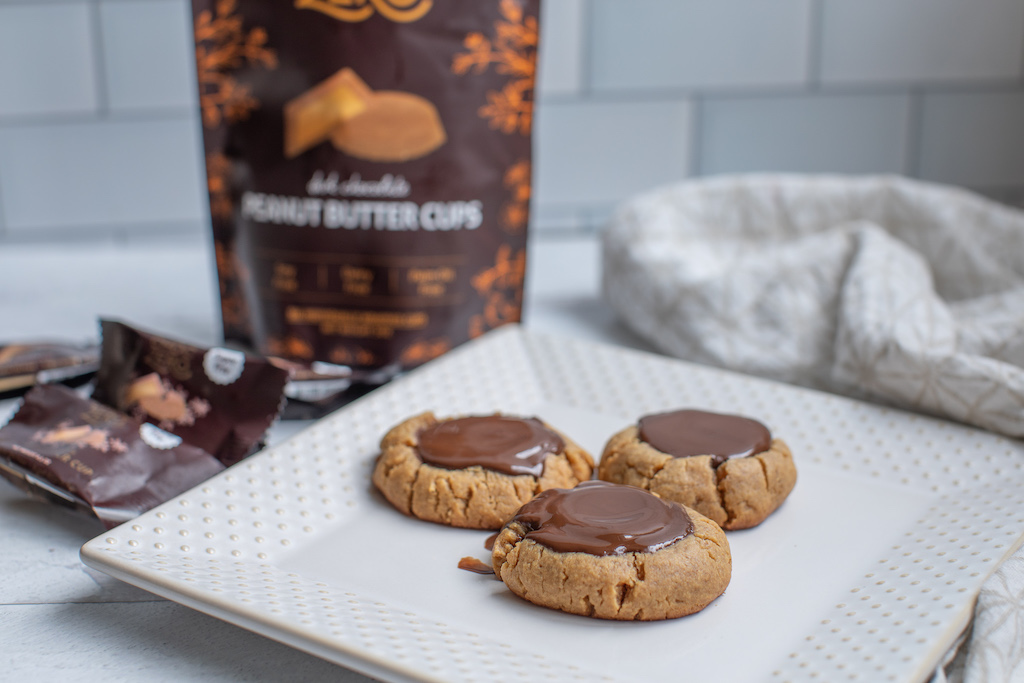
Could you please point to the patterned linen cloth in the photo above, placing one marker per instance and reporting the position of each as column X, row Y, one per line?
column 882, row 288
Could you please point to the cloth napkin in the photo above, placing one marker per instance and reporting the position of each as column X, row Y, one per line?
column 883, row 288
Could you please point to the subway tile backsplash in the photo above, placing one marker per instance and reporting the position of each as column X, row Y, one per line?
column 601, row 152
column 687, row 44
column 973, row 138
column 147, row 53
column 907, row 41
column 99, row 134
column 816, row 133
column 97, row 174
column 46, row 60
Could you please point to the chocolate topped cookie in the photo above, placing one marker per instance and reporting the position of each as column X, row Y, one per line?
column 728, row 467
column 686, row 433
column 474, row 471
column 612, row 552
column 510, row 445
column 598, row 518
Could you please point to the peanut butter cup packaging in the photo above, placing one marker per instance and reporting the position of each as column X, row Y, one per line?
column 369, row 169
column 218, row 399
column 25, row 364
column 86, row 456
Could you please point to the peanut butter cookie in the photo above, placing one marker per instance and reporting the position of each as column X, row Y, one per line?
column 726, row 467
column 612, row 552
column 474, row 472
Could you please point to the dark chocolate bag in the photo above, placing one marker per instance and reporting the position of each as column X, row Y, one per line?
column 368, row 164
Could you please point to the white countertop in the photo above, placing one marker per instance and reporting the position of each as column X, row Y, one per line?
column 63, row 620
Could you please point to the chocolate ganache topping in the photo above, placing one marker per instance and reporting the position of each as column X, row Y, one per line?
column 511, row 445
column 600, row 518
column 686, row 433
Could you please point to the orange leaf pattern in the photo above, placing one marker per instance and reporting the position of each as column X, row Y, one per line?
column 222, row 45
column 501, row 286
column 513, row 52
column 231, row 273
column 218, row 167
column 516, row 213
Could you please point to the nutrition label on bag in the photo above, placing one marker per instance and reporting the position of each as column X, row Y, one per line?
column 428, row 280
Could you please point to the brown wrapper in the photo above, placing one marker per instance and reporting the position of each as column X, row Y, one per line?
column 26, row 364
column 81, row 454
column 369, row 172
column 218, row 399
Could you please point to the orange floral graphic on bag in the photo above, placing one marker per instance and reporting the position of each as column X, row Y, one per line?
column 231, row 273
column 513, row 51
column 352, row 11
column 290, row 347
column 516, row 212
column 217, row 168
column 423, row 350
column 222, row 45
column 501, row 287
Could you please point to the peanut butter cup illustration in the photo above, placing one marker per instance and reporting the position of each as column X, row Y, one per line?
column 727, row 467
column 387, row 125
column 476, row 471
column 151, row 396
column 396, row 126
column 311, row 117
column 80, row 436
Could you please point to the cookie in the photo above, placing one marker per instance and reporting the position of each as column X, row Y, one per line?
column 474, row 472
column 612, row 552
column 726, row 467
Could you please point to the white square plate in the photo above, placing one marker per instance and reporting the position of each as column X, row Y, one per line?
column 869, row 571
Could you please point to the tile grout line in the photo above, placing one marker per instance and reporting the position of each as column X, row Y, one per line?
column 696, row 161
column 586, row 51
column 816, row 30
column 872, row 88
column 120, row 232
column 34, row 3
column 915, row 134
column 1020, row 63
column 169, row 113
column 3, row 211
column 99, row 61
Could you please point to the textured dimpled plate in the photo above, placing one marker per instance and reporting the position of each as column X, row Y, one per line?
column 868, row 572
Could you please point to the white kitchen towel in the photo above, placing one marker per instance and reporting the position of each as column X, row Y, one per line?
column 996, row 646
column 884, row 288
column 881, row 287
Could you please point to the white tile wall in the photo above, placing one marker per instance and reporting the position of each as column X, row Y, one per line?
column 652, row 44
column 560, row 70
column 100, row 173
column 973, row 138
column 46, row 59
column 883, row 41
column 98, row 132
column 641, row 144
column 147, row 53
column 805, row 134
